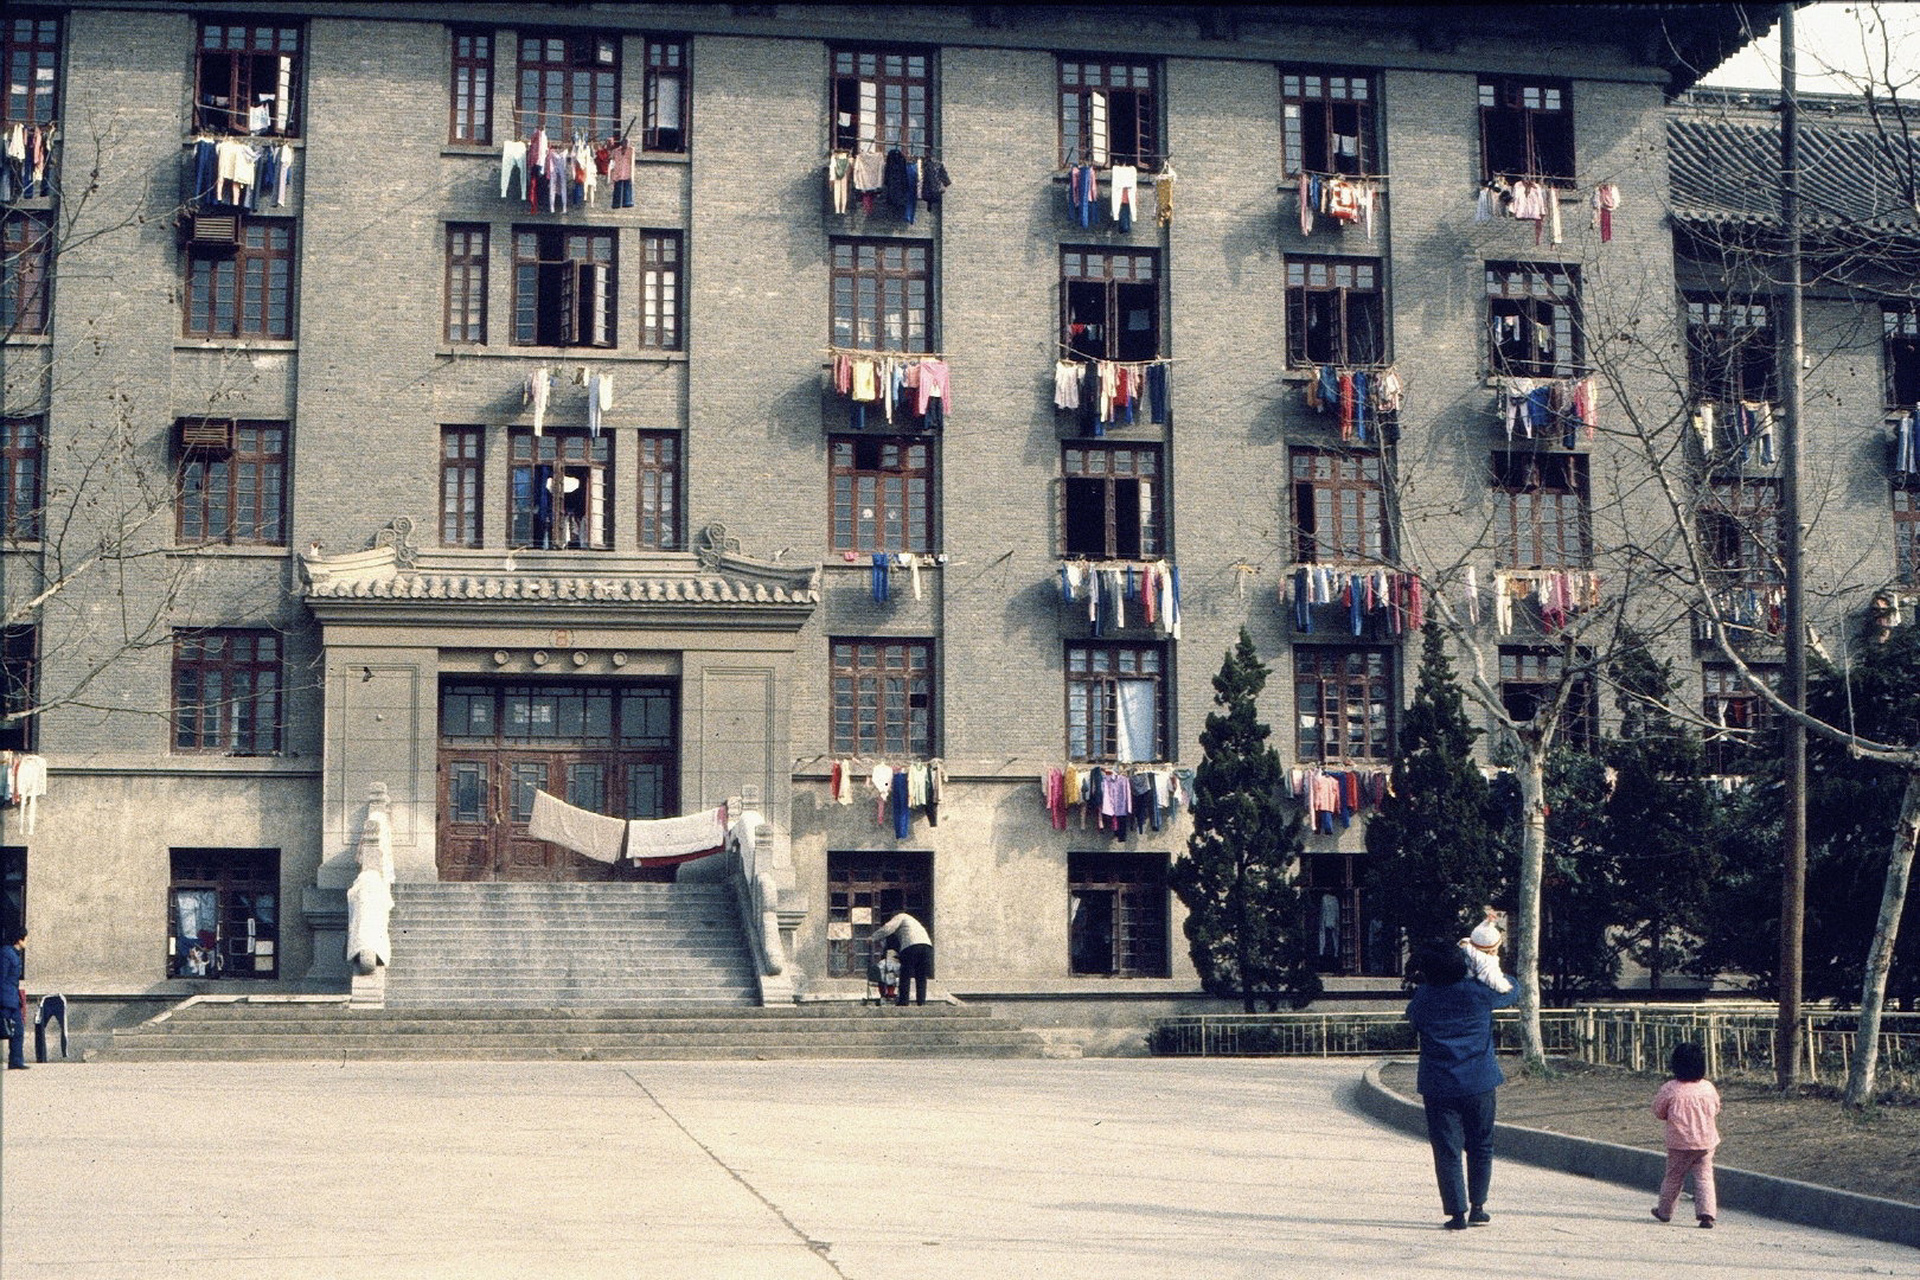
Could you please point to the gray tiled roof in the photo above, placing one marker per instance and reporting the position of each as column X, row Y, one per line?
column 705, row 589
column 1726, row 167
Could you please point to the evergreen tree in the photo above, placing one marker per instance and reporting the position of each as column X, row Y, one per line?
column 1659, row 818
column 1434, row 841
column 1244, row 924
column 1578, row 957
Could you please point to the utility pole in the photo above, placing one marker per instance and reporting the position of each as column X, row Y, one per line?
column 1793, row 875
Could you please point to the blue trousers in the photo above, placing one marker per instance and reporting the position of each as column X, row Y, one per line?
column 1457, row 1126
column 17, row 1041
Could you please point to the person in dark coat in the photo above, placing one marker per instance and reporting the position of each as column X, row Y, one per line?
column 1458, row 1076
column 13, row 999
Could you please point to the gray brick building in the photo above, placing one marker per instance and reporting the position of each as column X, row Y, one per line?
column 281, row 304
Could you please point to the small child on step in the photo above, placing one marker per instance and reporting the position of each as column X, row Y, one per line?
column 1688, row 1103
column 889, row 973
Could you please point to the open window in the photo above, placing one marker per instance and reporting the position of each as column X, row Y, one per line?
column 1339, row 508
column 1109, row 113
column 563, row 287
column 561, row 484
column 1335, row 312
column 664, row 128
column 882, row 99
column 1327, row 122
column 1731, row 352
column 1111, row 304
column 1901, row 327
column 1109, row 504
column 1526, row 129
column 1533, row 320
column 247, row 79
column 1117, row 706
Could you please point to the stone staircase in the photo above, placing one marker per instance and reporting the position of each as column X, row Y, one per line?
column 567, row 946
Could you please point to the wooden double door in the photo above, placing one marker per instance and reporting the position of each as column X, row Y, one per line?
column 607, row 748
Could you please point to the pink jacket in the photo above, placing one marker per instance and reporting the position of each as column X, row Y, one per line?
column 1688, row 1107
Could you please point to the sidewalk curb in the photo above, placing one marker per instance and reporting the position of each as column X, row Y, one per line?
column 1803, row 1203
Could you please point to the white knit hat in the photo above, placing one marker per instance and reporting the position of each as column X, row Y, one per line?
column 1485, row 934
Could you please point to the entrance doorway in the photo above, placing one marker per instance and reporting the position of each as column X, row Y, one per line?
column 607, row 747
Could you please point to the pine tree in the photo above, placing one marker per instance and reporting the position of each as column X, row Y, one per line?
column 1434, row 842
column 1244, row 925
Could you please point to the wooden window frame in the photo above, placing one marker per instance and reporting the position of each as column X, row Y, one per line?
column 1736, row 722
column 658, row 462
column 882, row 295
column 237, row 495
column 32, row 45
column 1533, row 295
column 882, row 692
column 662, row 292
column 865, row 890
column 211, row 720
column 470, row 90
column 566, row 82
column 1527, row 119
column 1100, row 292
column 468, row 257
column 568, row 453
column 463, row 456
column 1336, row 300
column 1543, row 518
column 23, row 445
column 880, row 493
column 238, row 879
column 1095, row 669
column 1131, row 90
column 225, row 281
column 899, row 110
column 1741, row 533
column 1329, row 681
column 1528, row 676
column 1315, row 102
column 1339, row 507
column 1732, row 351
column 19, row 686
column 668, row 80
column 566, row 286
column 1900, row 350
column 254, row 52
column 26, row 271
column 1140, row 938
column 1097, row 476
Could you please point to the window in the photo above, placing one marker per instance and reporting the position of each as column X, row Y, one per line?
column 1111, row 304
column 660, row 506
column 667, row 108
column 226, row 692
column 1108, row 507
column 880, row 100
column 563, row 287
column 1740, row 723
column 471, row 118
column 1526, row 129
column 865, row 890
column 236, row 493
column 882, row 493
column 13, row 890
column 1530, row 679
column 248, row 79
column 1906, row 532
column 462, row 453
column 1108, row 113
column 1339, row 508
column 1730, row 352
column 1117, row 914
column 1740, row 530
column 26, row 272
column 1540, row 511
column 560, row 481
column 33, row 69
column 1902, row 328
column 1343, row 934
column 21, row 446
column 1343, row 703
column 243, row 290
column 660, row 290
column 19, row 686
column 1335, row 312
column 881, row 292
column 883, row 698
column 1327, row 119
column 569, row 83
column 223, row 917
column 1117, row 703
column 466, row 283
column 1533, row 320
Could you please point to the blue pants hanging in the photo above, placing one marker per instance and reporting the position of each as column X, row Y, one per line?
column 902, row 816
column 882, row 587
column 1157, row 392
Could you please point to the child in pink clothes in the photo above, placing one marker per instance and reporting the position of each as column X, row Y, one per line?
column 1688, row 1103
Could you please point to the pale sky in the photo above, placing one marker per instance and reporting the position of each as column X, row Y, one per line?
column 1836, row 36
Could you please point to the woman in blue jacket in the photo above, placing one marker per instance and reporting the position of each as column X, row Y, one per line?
column 1458, row 1074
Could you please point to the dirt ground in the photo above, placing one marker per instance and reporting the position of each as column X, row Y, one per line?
column 1808, row 1137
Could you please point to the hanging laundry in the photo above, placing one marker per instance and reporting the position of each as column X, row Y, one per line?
column 536, row 395
column 1163, row 194
column 1125, row 180
column 1606, row 199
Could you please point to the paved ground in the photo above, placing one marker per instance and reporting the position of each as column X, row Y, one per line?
column 856, row 1171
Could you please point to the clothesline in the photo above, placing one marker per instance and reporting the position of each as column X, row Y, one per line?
column 1120, row 796
column 876, row 353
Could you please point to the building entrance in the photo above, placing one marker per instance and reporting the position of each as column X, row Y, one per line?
column 608, row 747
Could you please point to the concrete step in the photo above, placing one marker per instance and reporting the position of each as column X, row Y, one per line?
column 337, row 1010
column 686, row 1052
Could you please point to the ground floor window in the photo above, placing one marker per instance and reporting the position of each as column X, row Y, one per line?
column 223, row 914
column 1117, row 914
column 13, row 890
column 868, row 889
column 1342, row 932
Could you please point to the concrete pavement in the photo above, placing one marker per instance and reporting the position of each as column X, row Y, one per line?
column 863, row 1170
